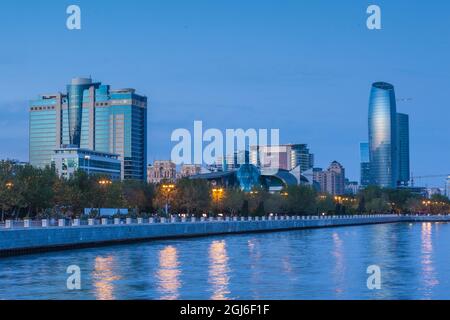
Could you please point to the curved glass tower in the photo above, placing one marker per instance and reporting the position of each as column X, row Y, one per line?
column 383, row 135
column 75, row 96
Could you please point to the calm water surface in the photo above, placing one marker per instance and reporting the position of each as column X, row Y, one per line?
column 306, row 264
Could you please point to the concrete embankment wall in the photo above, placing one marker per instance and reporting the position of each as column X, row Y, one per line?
column 29, row 240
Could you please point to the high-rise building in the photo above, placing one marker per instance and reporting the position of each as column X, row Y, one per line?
column 300, row 156
column 365, row 164
column 447, row 187
column 383, row 137
column 285, row 157
column 332, row 180
column 388, row 139
column 351, row 187
column 161, row 171
column 403, row 149
column 91, row 116
column 232, row 162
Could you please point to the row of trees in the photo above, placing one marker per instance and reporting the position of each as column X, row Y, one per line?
column 31, row 192
column 195, row 197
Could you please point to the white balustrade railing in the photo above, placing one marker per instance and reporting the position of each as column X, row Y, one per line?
column 46, row 223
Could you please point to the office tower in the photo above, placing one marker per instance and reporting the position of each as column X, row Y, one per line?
column 365, row 164
column 91, row 116
column 383, row 137
column 285, row 157
column 161, row 171
column 403, row 149
column 44, row 129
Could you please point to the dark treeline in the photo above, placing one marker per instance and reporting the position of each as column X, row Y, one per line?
column 36, row 193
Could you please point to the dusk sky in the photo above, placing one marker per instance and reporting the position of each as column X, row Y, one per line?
column 304, row 67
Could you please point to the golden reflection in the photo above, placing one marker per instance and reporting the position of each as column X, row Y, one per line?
column 427, row 256
column 169, row 273
column 218, row 270
column 104, row 278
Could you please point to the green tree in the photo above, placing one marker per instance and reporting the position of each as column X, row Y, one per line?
column 192, row 196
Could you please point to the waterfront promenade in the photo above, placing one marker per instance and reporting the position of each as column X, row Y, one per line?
column 36, row 236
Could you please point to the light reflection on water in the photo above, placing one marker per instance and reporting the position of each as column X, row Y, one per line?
column 168, row 274
column 428, row 270
column 104, row 278
column 306, row 264
column 218, row 270
column 339, row 265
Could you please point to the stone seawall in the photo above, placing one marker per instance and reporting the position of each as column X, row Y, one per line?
column 16, row 241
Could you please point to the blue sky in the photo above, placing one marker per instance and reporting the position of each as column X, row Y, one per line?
column 304, row 67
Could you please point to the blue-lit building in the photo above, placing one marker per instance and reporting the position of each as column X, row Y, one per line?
column 67, row 161
column 383, row 135
column 365, row 164
column 248, row 177
column 388, row 139
column 91, row 116
column 403, row 149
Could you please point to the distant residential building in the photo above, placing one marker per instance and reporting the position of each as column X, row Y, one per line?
column 351, row 187
column 285, row 157
column 434, row 191
column 91, row 116
column 67, row 161
column 232, row 162
column 188, row 170
column 161, row 171
column 365, row 165
column 332, row 180
column 447, row 187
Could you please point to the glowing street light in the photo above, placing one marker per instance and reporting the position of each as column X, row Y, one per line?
column 105, row 182
column 167, row 188
column 217, row 194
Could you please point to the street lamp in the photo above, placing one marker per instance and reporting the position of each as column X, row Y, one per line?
column 9, row 185
column 217, row 194
column 167, row 188
column 104, row 182
column 88, row 159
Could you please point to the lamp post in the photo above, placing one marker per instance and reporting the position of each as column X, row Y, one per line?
column 88, row 159
column 167, row 188
column 217, row 194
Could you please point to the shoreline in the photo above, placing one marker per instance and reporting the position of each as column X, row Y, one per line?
column 31, row 240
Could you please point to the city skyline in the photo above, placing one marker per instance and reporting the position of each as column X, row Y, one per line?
column 190, row 73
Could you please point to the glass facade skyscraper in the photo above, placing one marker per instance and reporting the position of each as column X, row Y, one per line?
column 365, row 164
column 383, row 135
column 91, row 116
column 403, row 148
column 388, row 139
